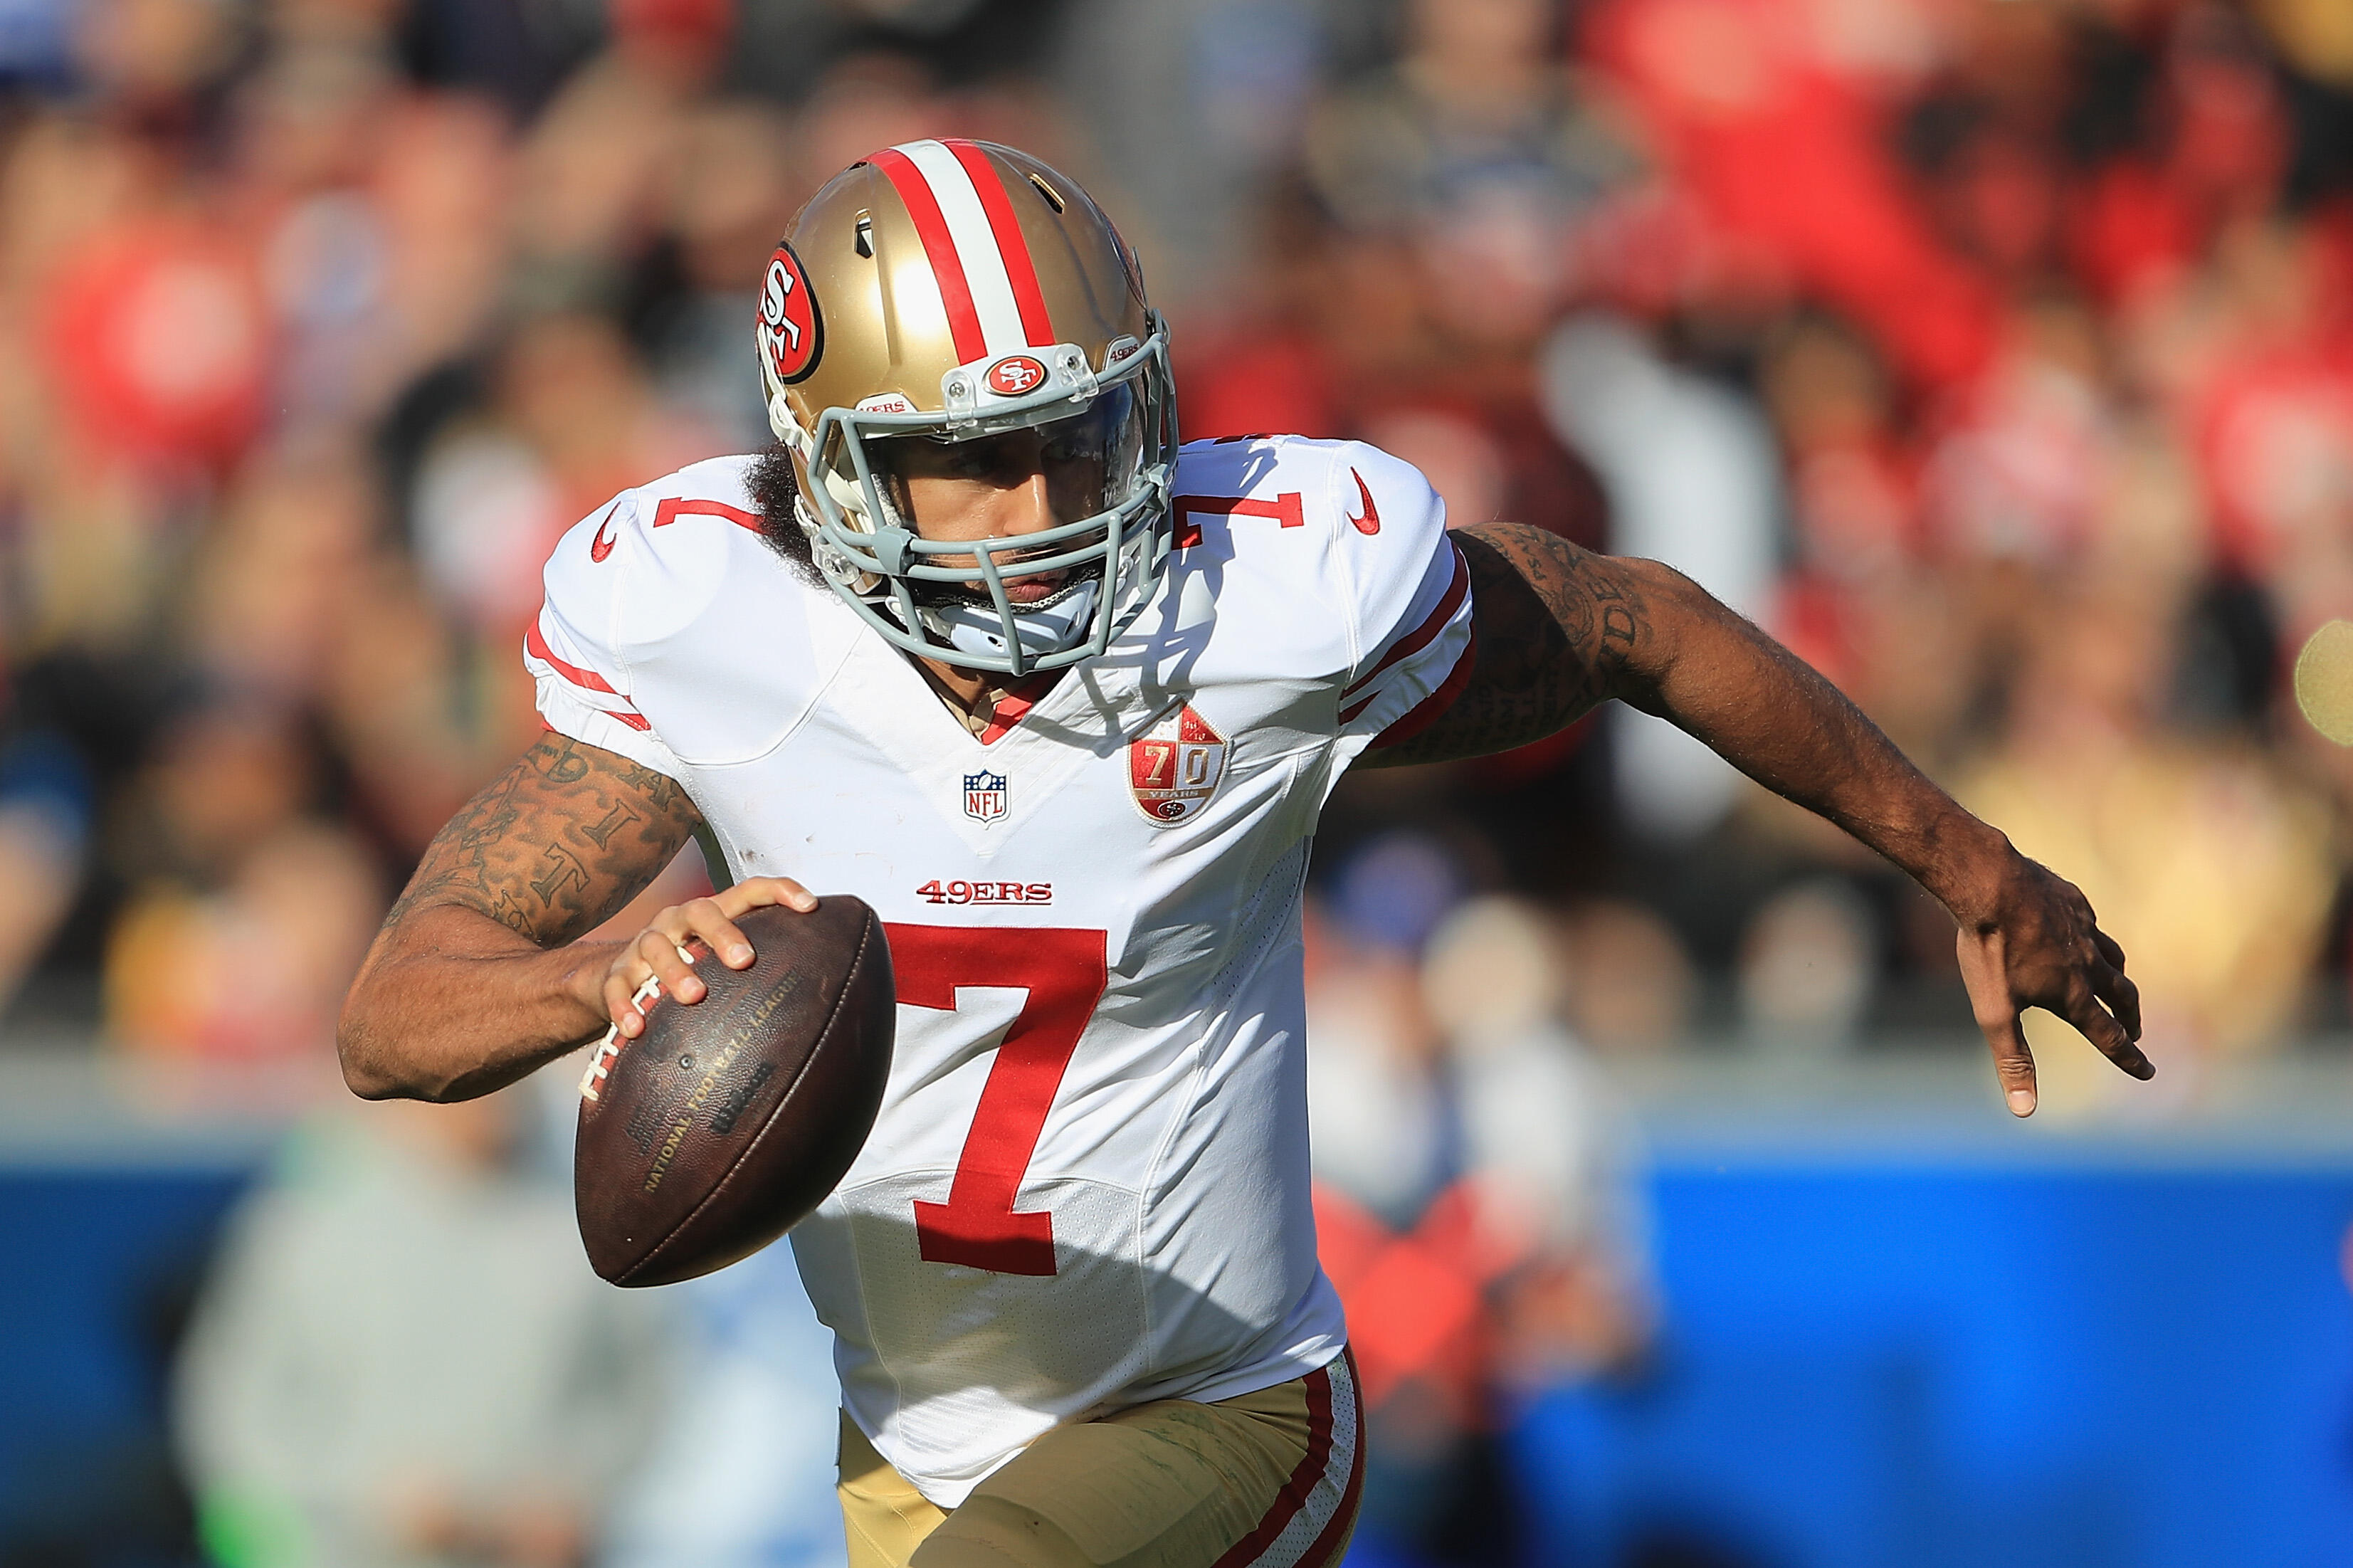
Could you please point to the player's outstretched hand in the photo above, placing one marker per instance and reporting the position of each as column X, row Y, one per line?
column 653, row 954
column 2036, row 943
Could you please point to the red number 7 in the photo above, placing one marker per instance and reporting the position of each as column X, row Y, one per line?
column 1065, row 972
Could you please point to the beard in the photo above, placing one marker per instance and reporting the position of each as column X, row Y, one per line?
column 775, row 489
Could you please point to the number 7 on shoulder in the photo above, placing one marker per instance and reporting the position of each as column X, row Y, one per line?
column 1065, row 970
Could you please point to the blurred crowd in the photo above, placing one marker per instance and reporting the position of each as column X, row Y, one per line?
column 1998, row 357
column 1997, row 354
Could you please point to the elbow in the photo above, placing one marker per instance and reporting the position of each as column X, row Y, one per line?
column 366, row 1073
column 1670, row 624
column 369, row 1076
column 366, row 1084
column 358, row 1052
column 368, row 1070
column 373, row 1069
column 1664, row 589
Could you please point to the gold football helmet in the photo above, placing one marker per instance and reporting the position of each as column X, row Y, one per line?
column 949, row 292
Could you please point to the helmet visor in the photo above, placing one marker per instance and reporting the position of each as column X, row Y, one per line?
column 1015, row 495
column 1019, row 536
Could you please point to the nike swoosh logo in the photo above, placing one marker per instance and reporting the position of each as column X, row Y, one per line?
column 602, row 545
column 1371, row 521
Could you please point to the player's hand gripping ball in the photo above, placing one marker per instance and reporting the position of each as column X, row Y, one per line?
column 718, row 1128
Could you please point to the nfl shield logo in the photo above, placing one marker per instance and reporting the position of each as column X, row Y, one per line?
column 984, row 796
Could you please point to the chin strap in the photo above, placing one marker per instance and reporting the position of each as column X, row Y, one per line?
column 1062, row 622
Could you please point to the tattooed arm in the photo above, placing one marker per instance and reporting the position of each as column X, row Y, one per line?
column 478, row 975
column 1562, row 629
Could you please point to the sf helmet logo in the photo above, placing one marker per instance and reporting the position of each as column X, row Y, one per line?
column 791, row 331
column 1012, row 377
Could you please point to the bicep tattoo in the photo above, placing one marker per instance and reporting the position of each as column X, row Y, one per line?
column 1556, row 625
column 551, row 848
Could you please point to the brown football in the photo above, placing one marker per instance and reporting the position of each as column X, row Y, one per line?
column 723, row 1124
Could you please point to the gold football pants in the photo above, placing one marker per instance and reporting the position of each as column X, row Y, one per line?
column 1265, row 1480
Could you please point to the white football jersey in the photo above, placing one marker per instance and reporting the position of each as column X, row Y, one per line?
column 1088, row 1186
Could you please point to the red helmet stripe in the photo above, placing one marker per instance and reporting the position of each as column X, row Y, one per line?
column 1020, row 271
column 939, row 247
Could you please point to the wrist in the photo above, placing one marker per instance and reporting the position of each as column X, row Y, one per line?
column 1969, row 866
column 583, row 982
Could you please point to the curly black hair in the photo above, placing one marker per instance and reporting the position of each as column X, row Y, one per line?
column 774, row 490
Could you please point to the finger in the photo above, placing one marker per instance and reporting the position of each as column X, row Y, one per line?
column 2013, row 1063
column 667, row 961
column 755, row 892
column 624, row 997
column 618, row 1006
column 707, row 918
column 2123, row 997
column 2109, row 948
column 2084, row 1011
column 1996, row 1014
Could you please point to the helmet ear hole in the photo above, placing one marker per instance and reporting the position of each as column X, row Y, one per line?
column 1053, row 197
column 864, row 241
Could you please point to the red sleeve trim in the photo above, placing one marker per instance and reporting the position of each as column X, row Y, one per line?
column 633, row 720
column 586, row 680
column 1432, row 708
column 1421, row 637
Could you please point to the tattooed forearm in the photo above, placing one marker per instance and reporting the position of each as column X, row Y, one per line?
column 567, row 835
column 449, row 1004
column 1560, row 629
column 1557, row 628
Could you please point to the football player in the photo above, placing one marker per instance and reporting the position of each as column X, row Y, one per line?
column 977, row 641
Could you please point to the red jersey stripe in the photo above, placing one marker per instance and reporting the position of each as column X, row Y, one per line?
column 536, row 646
column 1432, row 708
column 939, row 247
column 1421, row 637
column 1020, row 269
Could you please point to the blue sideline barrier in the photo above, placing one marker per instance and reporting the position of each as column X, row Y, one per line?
column 99, row 1264
column 1970, row 1367
column 1880, row 1363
